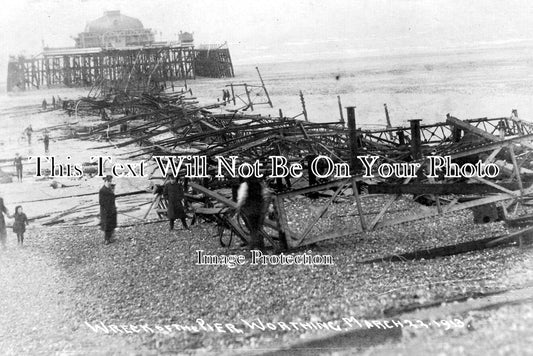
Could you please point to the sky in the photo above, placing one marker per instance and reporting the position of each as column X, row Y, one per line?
column 281, row 30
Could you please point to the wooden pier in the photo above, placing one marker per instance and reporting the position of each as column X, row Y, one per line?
column 85, row 67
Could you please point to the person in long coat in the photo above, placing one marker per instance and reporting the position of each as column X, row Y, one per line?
column 173, row 191
column 46, row 141
column 251, row 203
column 3, row 231
column 108, row 209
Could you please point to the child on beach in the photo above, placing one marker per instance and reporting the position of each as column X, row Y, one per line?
column 19, row 225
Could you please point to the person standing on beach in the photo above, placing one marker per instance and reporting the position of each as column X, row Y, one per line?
column 46, row 140
column 108, row 209
column 3, row 231
column 28, row 131
column 251, row 203
column 173, row 191
column 17, row 162
column 19, row 226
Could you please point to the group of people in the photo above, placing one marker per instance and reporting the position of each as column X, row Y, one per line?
column 44, row 104
column 19, row 224
column 17, row 161
column 251, row 204
column 28, row 132
column 226, row 96
column 173, row 191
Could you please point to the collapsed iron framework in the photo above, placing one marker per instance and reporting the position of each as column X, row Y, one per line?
column 173, row 124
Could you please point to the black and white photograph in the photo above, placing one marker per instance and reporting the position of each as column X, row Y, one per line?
column 306, row 177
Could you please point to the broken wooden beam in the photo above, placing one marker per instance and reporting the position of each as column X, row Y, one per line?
column 476, row 245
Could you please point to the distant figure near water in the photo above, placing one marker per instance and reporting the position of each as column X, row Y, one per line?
column 17, row 162
column 46, row 141
column 28, row 131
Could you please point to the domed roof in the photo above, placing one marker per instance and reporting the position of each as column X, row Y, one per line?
column 113, row 21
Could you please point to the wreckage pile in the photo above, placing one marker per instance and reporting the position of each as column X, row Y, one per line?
column 164, row 123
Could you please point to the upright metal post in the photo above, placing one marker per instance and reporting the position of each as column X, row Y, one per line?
column 248, row 96
column 264, row 87
column 352, row 138
column 416, row 140
column 340, row 109
column 401, row 137
column 387, row 117
column 304, row 110
column 354, row 162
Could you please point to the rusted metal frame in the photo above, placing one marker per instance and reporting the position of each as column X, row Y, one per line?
column 457, row 207
column 466, row 126
column 239, row 147
column 522, row 127
column 357, row 199
column 250, row 104
column 473, row 129
column 436, row 197
column 493, row 127
column 494, row 185
column 155, row 202
column 524, row 159
column 284, row 231
column 517, row 169
column 448, row 188
column 311, row 189
column 444, row 133
column 520, row 164
column 423, row 137
column 433, row 133
column 375, row 221
column 310, row 226
column 310, row 144
column 331, row 153
column 137, row 139
column 450, row 205
column 493, row 155
column 522, row 140
column 228, row 202
column 240, row 143
column 369, row 136
column 228, row 130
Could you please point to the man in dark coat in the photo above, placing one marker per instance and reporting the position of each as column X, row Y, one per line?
column 108, row 209
column 173, row 191
column 3, row 232
column 251, row 203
